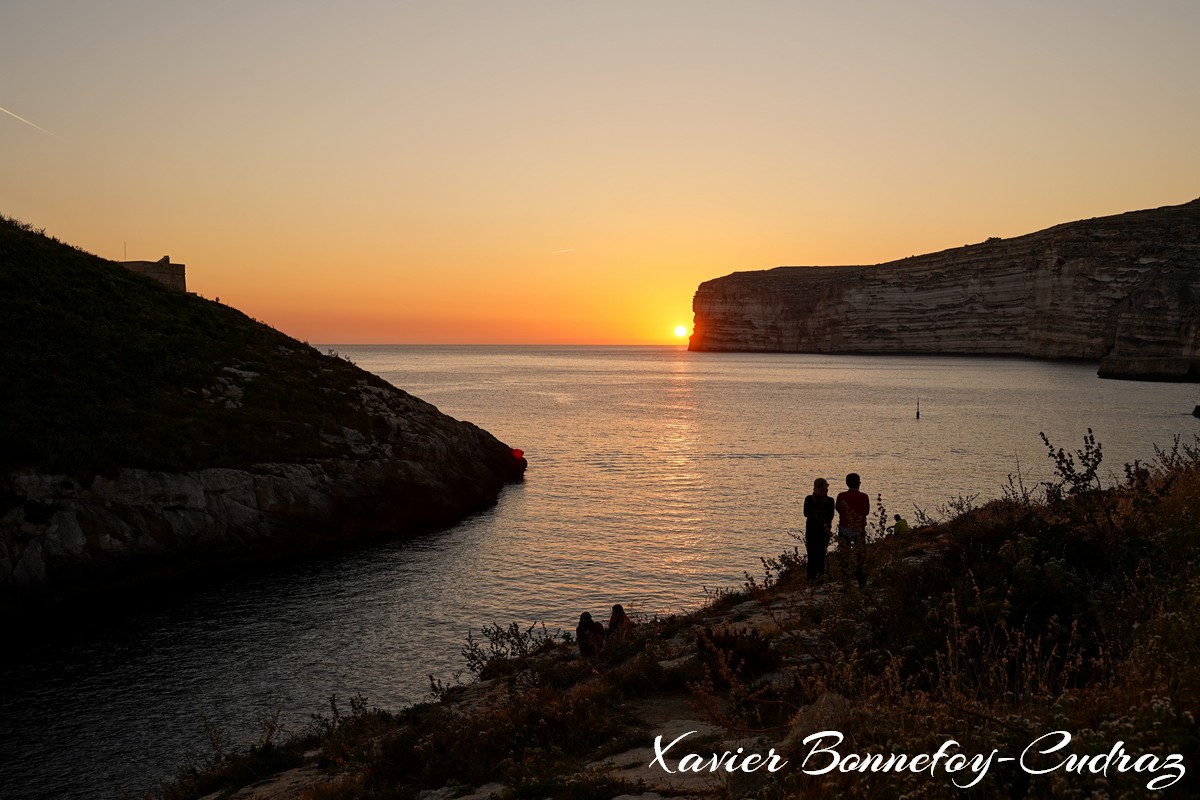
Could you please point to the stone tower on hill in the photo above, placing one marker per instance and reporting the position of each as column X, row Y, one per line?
column 162, row 271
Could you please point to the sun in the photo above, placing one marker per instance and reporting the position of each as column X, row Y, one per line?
column 681, row 331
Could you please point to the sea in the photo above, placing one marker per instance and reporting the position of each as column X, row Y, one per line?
column 657, row 477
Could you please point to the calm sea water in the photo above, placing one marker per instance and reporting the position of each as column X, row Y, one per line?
column 654, row 473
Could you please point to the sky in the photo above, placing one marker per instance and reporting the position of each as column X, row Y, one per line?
column 570, row 172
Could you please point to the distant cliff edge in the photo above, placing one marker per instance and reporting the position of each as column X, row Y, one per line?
column 146, row 432
column 1122, row 290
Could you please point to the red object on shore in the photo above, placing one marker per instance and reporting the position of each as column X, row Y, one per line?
column 519, row 465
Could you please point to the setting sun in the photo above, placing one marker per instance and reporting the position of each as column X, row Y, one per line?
column 680, row 331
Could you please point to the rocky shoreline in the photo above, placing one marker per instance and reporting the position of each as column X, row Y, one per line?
column 63, row 537
column 60, row 534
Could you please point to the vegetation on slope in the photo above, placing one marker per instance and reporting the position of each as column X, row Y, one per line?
column 1063, row 607
column 104, row 368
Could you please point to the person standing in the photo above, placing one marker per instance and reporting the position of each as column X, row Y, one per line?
column 853, row 507
column 818, row 522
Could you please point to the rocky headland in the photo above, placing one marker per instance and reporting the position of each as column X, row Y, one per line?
column 146, row 432
column 1121, row 290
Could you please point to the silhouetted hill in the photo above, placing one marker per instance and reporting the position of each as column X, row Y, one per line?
column 141, row 424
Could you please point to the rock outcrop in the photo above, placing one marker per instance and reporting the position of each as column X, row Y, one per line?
column 1121, row 290
column 145, row 432
column 59, row 533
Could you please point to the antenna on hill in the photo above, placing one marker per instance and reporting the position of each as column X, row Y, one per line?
column 126, row 246
column 918, row 408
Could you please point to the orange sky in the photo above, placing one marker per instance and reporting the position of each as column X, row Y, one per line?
column 551, row 172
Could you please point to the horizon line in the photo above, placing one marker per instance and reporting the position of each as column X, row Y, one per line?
column 498, row 344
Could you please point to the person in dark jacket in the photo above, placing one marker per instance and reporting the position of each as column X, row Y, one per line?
column 818, row 522
column 590, row 635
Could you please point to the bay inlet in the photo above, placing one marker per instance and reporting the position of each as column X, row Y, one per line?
column 655, row 474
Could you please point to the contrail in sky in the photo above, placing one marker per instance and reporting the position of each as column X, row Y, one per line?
column 27, row 122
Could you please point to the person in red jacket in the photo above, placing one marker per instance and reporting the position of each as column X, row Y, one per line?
column 853, row 508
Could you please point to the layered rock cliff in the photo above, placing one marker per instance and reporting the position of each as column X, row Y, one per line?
column 147, row 432
column 1122, row 290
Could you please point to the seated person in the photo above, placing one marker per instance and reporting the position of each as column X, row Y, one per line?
column 590, row 635
column 618, row 624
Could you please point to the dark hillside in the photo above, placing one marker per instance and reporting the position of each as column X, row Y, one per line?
column 106, row 368
column 147, row 431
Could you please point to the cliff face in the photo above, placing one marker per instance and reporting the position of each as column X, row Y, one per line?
column 147, row 432
column 1120, row 289
column 425, row 470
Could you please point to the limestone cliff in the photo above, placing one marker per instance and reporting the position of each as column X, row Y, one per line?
column 60, row 532
column 148, row 432
column 1122, row 290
